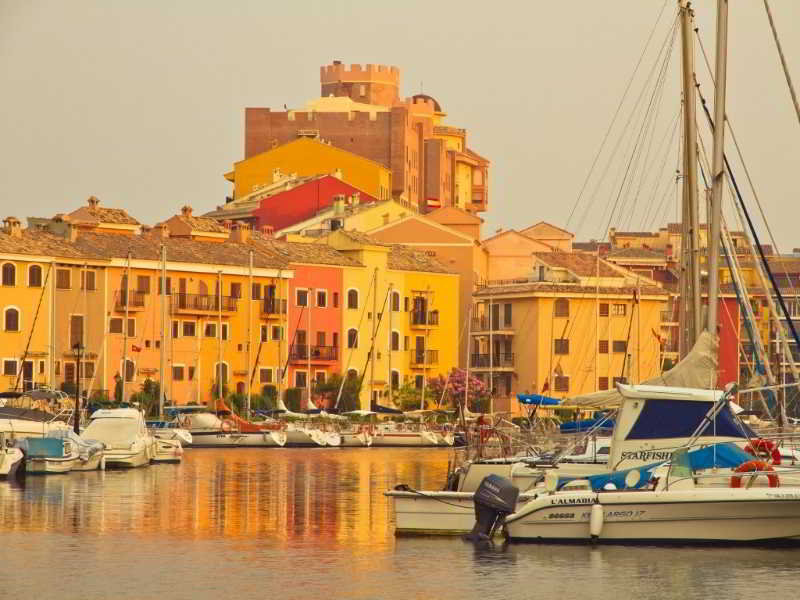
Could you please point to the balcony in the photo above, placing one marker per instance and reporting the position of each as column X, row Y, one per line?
column 421, row 318
column 424, row 358
column 496, row 361
column 202, row 303
column 483, row 325
column 299, row 353
column 273, row 307
column 134, row 300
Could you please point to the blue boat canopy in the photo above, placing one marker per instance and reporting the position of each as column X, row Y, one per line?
column 586, row 425
column 537, row 400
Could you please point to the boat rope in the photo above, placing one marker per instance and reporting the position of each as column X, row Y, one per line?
column 783, row 59
column 33, row 327
column 404, row 488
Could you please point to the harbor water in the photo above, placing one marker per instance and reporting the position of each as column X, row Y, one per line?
column 295, row 523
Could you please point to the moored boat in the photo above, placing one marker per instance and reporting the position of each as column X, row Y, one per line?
column 124, row 434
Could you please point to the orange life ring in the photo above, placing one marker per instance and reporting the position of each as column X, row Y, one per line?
column 762, row 447
column 754, row 465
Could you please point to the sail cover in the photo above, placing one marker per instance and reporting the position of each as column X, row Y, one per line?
column 698, row 369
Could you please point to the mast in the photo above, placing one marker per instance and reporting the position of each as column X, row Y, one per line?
column 374, row 333
column 219, row 339
column 308, row 347
column 596, row 326
column 717, row 166
column 125, row 326
column 690, row 203
column 280, row 336
column 249, row 333
column 162, row 306
column 469, row 359
column 389, row 350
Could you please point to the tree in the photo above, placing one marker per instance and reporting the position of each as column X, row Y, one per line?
column 329, row 391
column 147, row 396
column 456, row 386
column 408, row 397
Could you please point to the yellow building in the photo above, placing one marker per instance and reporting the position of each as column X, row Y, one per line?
column 564, row 331
column 415, row 299
column 305, row 157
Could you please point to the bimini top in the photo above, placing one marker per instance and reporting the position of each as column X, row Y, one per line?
column 657, row 392
column 537, row 400
column 116, row 413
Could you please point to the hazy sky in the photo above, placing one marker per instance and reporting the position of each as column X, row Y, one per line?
column 141, row 103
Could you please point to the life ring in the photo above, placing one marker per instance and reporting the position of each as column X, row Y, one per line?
column 760, row 448
column 754, row 465
column 227, row 425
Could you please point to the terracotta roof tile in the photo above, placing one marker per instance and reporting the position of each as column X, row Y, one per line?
column 38, row 243
column 317, row 253
column 97, row 215
column 204, row 224
column 403, row 258
column 581, row 263
column 548, row 287
column 636, row 253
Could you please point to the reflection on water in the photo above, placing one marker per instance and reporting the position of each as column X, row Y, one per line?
column 306, row 523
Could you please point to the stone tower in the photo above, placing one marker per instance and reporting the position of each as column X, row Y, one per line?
column 370, row 84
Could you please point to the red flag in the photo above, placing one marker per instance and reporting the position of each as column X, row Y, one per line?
column 135, row 348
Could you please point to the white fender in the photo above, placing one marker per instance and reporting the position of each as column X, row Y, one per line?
column 596, row 521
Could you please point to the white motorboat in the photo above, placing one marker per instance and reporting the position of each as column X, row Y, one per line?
column 60, row 452
column 402, row 434
column 21, row 423
column 169, row 430
column 125, row 435
column 11, row 459
column 167, row 451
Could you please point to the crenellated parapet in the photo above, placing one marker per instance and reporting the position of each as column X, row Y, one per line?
column 369, row 73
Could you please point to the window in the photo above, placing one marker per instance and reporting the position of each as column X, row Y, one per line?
column 143, row 284
column 177, row 372
column 9, row 274
column 418, row 382
column 41, row 367
column 321, row 338
column 265, row 375
column 147, row 343
column 58, row 367
column 89, row 280
column 240, row 387
column 236, row 290
column 405, row 342
column 264, row 333
column 130, row 370
column 352, row 298
column 602, row 346
column 405, row 304
column 335, row 341
column 319, row 377
column 507, row 315
column 618, row 310
column 395, row 379
column 602, row 383
column 352, row 338
column 11, row 319
column 603, row 309
column 211, row 330
column 189, row 329
column 561, row 307
column 63, row 279
column 322, row 298
column 221, row 372
column 176, row 329
column 191, row 373
column 620, row 346
column 276, row 332
column 169, row 285
column 300, row 379
column 34, row 276
column 75, row 330
column 335, row 299
column 69, row 372
column 115, row 325
column 9, row 366
column 562, row 383
column 301, row 298
column 87, row 369
column 395, row 301
column 561, row 346
column 255, row 291
column 224, row 331
column 395, row 341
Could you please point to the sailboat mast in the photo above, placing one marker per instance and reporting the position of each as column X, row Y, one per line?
column 690, row 203
column 125, row 326
column 219, row 340
column 249, row 333
column 717, row 165
column 161, row 364
column 389, row 349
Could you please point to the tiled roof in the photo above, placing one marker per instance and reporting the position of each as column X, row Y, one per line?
column 778, row 264
column 97, row 214
column 547, row 287
column 203, row 224
column 38, row 243
column 591, row 246
column 362, row 238
column 404, row 258
column 317, row 253
column 643, row 253
column 637, row 233
column 580, row 263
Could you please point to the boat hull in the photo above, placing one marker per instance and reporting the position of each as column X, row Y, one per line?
column 93, row 463
column 122, row 459
column 432, row 513
column 418, row 439
column 11, row 460
column 357, row 439
column 167, row 451
column 305, row 437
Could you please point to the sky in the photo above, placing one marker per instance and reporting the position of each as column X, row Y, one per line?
column 142, row 103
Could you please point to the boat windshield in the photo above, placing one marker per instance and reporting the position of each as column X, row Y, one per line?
column 112, row 431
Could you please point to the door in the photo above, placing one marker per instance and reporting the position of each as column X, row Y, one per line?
column 419, row 349
column 182, row 292
column 300, row 342
column 27, row 376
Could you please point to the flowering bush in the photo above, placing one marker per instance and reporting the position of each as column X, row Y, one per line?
column 456, row 384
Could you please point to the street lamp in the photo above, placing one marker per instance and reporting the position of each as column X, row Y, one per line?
column 77, row 350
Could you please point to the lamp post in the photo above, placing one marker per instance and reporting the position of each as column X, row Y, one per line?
column 77, row 349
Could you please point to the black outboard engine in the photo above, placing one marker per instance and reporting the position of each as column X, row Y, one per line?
column 495, row 498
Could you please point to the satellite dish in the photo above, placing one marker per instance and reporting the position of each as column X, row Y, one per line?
column 632, row 478
column 551, row 481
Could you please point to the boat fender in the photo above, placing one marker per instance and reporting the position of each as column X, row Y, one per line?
column 596, row 521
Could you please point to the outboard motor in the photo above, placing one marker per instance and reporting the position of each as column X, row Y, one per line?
column 495, row 498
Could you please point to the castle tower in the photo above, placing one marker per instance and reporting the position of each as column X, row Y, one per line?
column 370, row 84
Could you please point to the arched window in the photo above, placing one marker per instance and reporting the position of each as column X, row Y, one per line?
column 395, row 340
column 395, row 301
column 352, row 298
column 395, row 379
column 352, row 338
column 11, row 319
column 9, row 274
column 202, row 288
column 34, row 276
column 562, row 307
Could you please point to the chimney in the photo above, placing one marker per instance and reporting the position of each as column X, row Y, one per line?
column 337, row 172
column 186, row 210
column 12, row 227
column 240, row 232
column 72, row 233
column 267, row 231
column 338, row 204
column 93, row 202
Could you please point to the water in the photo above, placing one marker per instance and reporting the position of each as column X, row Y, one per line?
column 294, row 523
